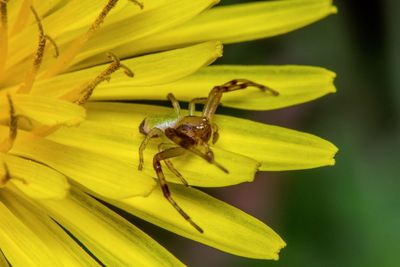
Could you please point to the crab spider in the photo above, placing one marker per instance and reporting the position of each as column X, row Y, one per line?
column 191, row 133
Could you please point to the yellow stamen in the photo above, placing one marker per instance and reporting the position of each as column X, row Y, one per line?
column 37, row 61
column 63, row 62
column 22, row 19
column 54, row 44
column 7, row 177
column 140, row 4
column 66, row 59
column 3, row 36
column 87, row 90
column 100, row 18
column 81, row 94
column 8, row 143
column 13, row 120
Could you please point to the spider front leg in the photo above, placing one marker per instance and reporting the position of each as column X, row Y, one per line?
column 215, row 95
column 164, row 155
column 215, row 134
column 164, row 146
column 175, row 104
column 193, row 102
column 152, row 133
column 201, row 149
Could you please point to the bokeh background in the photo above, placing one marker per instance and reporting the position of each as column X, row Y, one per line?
column 349, row 214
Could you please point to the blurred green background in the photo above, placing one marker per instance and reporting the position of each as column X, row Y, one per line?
column 349, row 214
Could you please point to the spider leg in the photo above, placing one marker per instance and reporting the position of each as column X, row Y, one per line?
column 164, row 146
column 215, row 95
column 163, row 155
column 175, row 104
column 193, row 102
column 202, row 149
column 215, row 134
column 152, row 133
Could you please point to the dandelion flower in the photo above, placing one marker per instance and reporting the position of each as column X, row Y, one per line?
column 64, row 142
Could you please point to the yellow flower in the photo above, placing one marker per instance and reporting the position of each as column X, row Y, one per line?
column 59, row 149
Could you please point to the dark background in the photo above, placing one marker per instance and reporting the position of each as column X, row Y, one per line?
column 349, row 214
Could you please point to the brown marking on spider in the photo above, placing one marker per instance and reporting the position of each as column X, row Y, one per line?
column 188, row 133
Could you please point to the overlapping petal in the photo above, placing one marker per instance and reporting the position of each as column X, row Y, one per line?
column 34, row 179
column 113, row 240
column 295, row 84
column 3, row 260
column 149, row 22
column 109, row 176
column 275, row 148
column 123, row 142
column 48, row 111
column 235, row 23
column 54, row 246
column 20, row 244
column 159, row 68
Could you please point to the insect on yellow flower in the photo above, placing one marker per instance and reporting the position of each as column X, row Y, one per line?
column 190, row 133
column 67, row 151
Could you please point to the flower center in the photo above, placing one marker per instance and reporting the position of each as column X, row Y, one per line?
column 12, row 110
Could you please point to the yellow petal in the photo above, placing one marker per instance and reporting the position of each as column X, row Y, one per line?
column 3, row 261
column 46, row 110
column 225, row 227
column 145, row 23
column 34, row 179
column 120, row 138
column 113, row 240
column 123, row 141
column 62, row 246
column 295, row 84
column 105, row 175
column 20, row 245
column 236, row 23
column 276, row 148
column 151, row 69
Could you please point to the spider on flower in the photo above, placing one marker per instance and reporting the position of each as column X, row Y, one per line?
column 188, row 133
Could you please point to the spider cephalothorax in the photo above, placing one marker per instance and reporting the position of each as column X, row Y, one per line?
column 188, row 133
